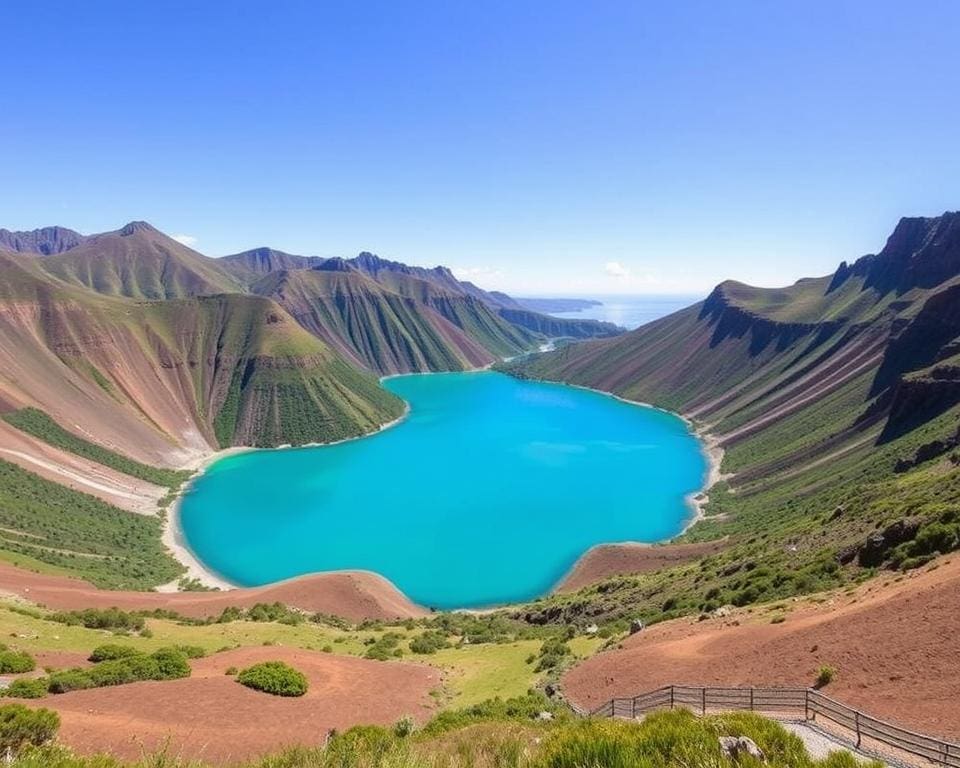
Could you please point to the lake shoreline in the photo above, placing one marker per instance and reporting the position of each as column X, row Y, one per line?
column 174, row 538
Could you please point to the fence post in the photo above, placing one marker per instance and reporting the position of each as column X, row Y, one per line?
column 751, row 699
column 671, row 697
column 703, row 700
column 856, row 722
column 946, row 754
column 634, row 707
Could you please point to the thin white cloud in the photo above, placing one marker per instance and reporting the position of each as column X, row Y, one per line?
column 616, row 269
column 187, row 240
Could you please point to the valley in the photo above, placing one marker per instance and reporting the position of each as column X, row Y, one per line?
column 128, row 362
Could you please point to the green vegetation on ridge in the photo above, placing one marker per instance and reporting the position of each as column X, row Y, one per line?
column 832, row 442
column 41, row 425
column 81, row 534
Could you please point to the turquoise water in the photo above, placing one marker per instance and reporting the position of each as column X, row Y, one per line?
column 486, row 493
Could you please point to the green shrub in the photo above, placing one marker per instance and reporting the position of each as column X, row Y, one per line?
column 16, row 662
column 20, row 726
column 123, row 671
column 171, row 664
column 935, row 537
column 111, row 652
column 825, row 675
column 430, row 641
column 274, row 677
column 553, row 652
column 385, row 648
column 404, row 727
column 69, row 680
column 27, row 688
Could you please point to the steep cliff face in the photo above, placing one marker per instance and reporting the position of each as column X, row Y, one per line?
column 386, row 331
column 921, row 253
column 862, row 349
column 554, row 327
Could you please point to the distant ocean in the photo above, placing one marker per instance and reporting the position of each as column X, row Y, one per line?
column 629, row 311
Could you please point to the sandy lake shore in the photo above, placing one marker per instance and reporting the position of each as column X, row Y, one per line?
column 598, row 562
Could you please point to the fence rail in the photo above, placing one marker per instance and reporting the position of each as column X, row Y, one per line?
column 864, row 731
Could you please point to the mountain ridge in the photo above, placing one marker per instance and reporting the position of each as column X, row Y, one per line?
column 44, row 241
column 835, row 400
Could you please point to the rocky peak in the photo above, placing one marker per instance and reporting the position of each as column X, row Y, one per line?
column 922, row 252
column 335, row 264
column 136, row 226
column 45, row 241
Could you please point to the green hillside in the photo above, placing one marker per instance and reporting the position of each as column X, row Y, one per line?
column 140, row 262
column 46, row 526
column 836, row 403
column 152, row 378
column 405, row 326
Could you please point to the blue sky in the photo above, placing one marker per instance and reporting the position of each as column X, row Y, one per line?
column 538, row 147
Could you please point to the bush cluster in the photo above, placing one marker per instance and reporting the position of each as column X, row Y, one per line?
column 20, row 727
column 263, row 612
column 384, row 648
column 430, row 641
column 111, row 652
column 27, row 688
column 15, row 662
column 115, row 665
column 101, row 618
column 274, row 677
column 935, row 537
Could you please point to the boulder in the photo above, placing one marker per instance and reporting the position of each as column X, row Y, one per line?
column 878, row 544
column 734, row 746
column 848, row 554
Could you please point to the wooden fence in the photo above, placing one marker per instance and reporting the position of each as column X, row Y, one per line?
column 862, row 730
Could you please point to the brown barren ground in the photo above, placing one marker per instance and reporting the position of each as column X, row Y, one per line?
column 606, row 560
column 354, row 595
column 894, row 643
column 210, row 716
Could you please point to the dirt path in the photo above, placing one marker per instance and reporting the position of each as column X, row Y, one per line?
column 894, row 643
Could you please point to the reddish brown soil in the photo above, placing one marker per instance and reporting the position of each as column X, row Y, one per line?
column 61, row 660
column 211, row 716
column 894, row 644
column 607, row 560
column 354, row 595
